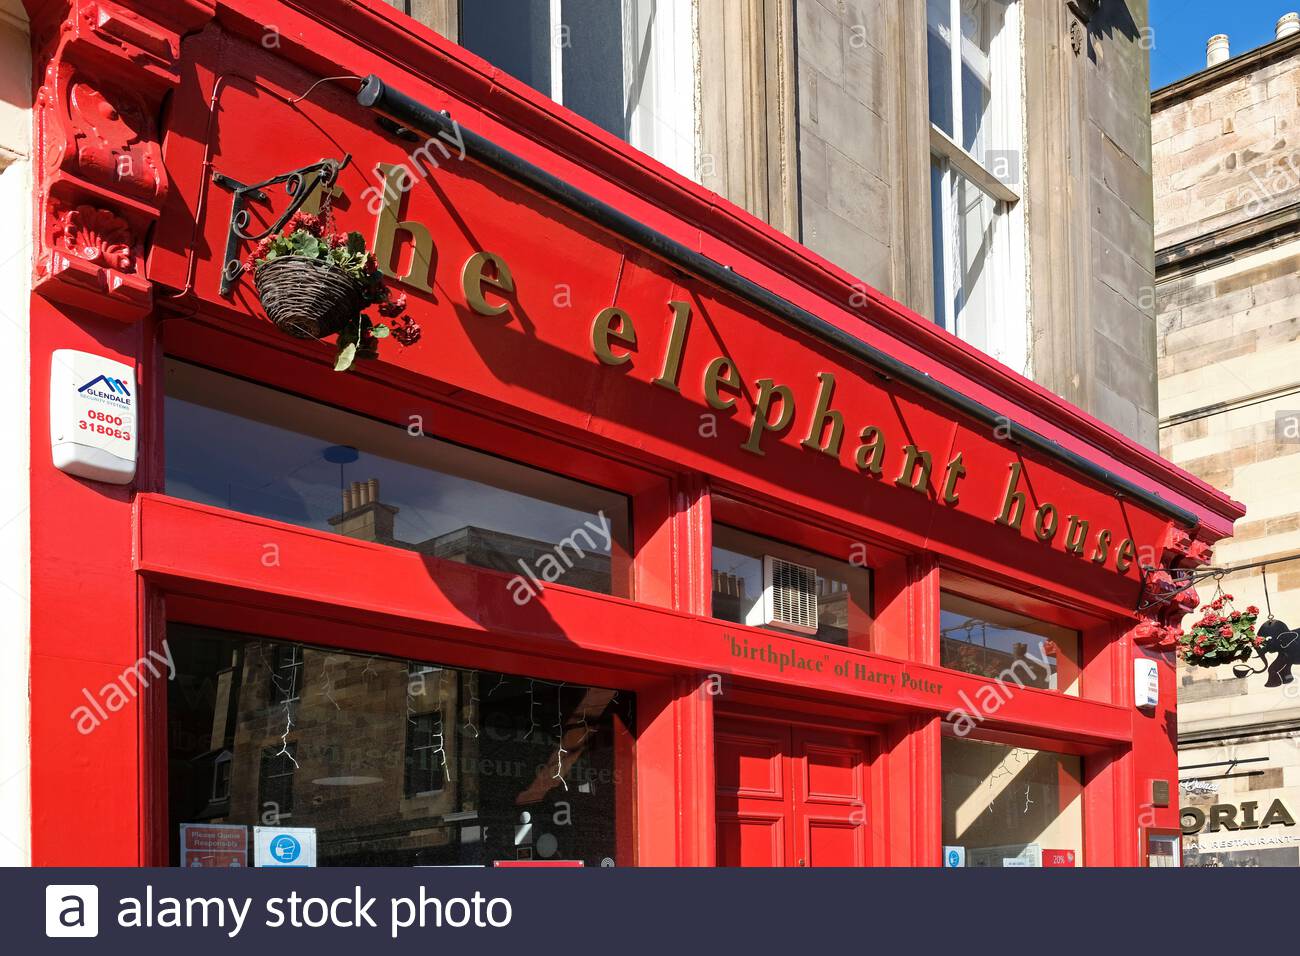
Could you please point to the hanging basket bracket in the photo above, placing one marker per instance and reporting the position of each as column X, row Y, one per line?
column 299, row 184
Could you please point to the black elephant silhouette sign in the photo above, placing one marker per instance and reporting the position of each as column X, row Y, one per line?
column 1283, row 644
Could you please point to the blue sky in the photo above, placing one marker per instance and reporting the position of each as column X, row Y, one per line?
column 1181, row 27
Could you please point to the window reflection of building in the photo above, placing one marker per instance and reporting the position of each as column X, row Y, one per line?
column 275, row 780
column 964, row 647
column 225, row 437
column 980, row 639
column 395, row 763
column 843, row 589
column 368, row 518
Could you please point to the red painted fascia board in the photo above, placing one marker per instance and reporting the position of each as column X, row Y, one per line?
column 534, row 126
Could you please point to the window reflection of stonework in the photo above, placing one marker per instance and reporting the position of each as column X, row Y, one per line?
column 366, row 517
column 395, row 762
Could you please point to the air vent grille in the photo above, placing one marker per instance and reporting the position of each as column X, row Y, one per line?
column 790, row 595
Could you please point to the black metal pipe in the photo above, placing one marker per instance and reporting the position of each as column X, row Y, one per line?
column 375, row 94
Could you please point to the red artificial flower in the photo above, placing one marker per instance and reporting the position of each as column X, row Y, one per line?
column 303, row 220
column 1236, row 615
column 1258, row 640
column 1252, row 610
column 391, row 308
column 407, row 332
column 1225, row 631
column 1198, row 651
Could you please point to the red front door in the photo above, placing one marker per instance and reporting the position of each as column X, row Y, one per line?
column 791, row 795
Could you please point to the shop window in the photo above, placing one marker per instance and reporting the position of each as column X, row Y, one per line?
column 626, row 65
column 401, row 763
column 1010, row 806
column 976, row 110
column 991, row 642
column 761, row 582
column 249, row 448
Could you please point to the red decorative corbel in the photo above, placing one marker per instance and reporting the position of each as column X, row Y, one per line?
column 1169, row 592
column 102, row 69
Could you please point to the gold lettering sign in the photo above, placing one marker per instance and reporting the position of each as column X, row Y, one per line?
column 614, row 343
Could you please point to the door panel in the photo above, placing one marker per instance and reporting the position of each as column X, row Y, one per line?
column 789, row 795
column 750, row 765
column 834, row 843
column 751, row 840
column 832, row 774
column 753, row 800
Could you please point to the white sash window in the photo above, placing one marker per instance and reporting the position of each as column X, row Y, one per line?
column 976, row 175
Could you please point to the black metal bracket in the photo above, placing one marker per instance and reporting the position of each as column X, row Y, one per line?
column 298, row 184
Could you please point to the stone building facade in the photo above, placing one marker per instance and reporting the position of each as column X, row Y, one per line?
column 1227, row 198
column 841, row 123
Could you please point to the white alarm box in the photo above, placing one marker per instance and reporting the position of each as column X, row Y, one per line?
column 1146, row 684
column 93, row 416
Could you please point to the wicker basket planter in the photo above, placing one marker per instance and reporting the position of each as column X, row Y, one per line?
column 306, row 297
column 315, row 282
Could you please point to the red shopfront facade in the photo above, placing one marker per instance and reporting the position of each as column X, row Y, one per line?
column 602, row 690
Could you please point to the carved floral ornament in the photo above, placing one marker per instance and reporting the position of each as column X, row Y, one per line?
column 115, row 143
column 105, row 68
column 96, row 235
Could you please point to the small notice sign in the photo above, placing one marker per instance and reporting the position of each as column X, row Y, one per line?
column 214, row 845
column 284, row 846
column 1058, row 858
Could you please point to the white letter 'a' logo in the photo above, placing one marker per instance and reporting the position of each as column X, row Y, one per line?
column 71, row 910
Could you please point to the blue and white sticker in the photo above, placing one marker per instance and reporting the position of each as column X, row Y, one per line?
column 284, row 846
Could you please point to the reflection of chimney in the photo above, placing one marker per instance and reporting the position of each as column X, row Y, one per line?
column 364, row 516
column 730, row 585
column 1288, row 25
column 1216, row 49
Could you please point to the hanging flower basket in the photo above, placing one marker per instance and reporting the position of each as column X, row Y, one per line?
column 1222, row 635
column 307, row 298
column 315, row 282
